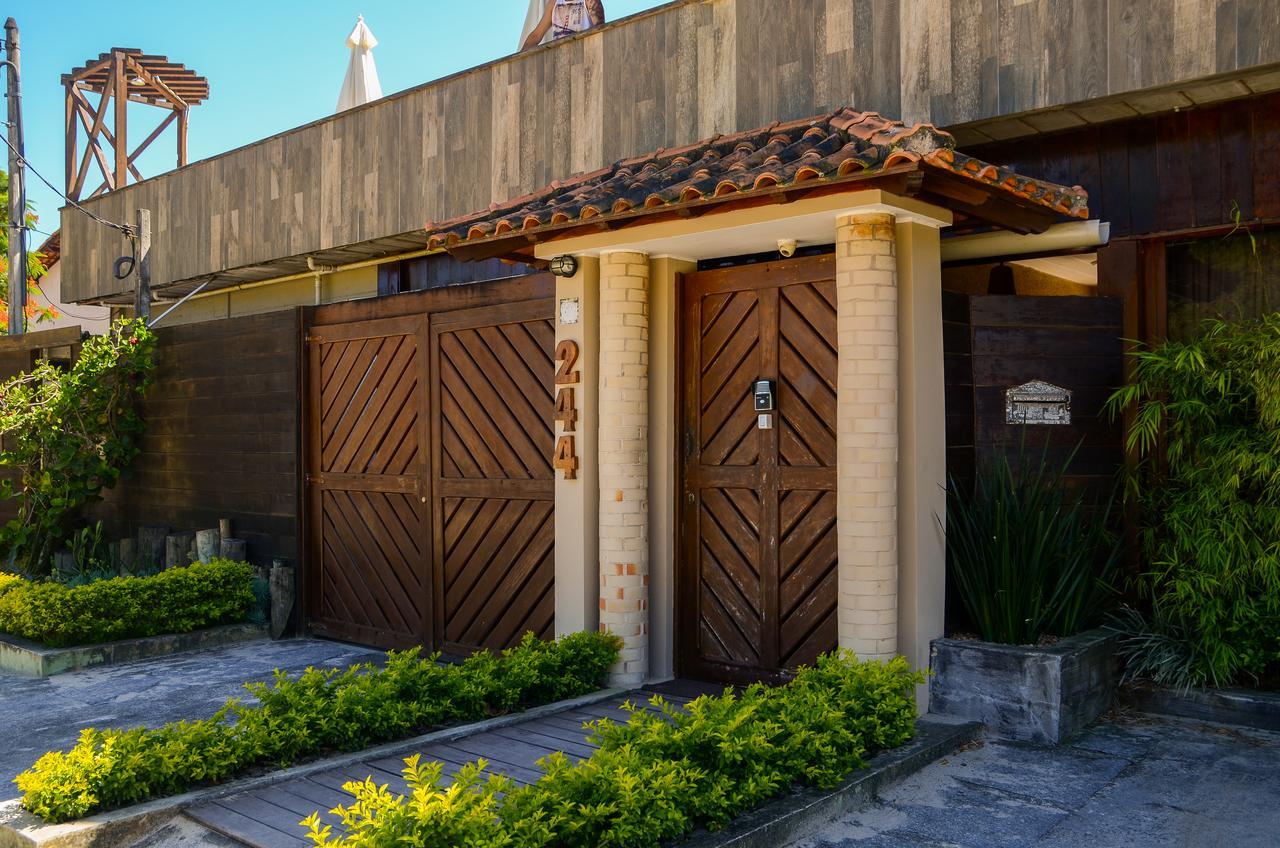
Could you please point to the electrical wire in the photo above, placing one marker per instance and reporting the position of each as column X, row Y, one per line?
column 123, row 228
column 62, row 310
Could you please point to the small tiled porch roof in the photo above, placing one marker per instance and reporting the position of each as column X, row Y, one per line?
column 845, row 150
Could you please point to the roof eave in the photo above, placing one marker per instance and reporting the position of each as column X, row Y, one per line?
column 987, row 203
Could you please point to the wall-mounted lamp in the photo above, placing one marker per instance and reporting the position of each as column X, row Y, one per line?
column 1001, row 280
column 564, row 266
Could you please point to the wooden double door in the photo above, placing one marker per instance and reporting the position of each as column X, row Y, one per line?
column 756, row 583
column 429, row 485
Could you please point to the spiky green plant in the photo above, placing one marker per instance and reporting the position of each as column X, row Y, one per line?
column 1206, row 425
column 1029, row 557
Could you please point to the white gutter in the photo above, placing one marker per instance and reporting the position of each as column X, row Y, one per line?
column 1077, row 235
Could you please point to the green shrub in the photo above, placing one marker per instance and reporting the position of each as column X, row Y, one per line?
column 656, row 777
column 175, row 601
column 9, row 581
column 1028, row 557
column 69, row 434
column 1210, row 505
column 310, row 714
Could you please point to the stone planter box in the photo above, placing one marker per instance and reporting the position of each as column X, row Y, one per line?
column 1043, row 695
column 1241, row 707
column 21, row 656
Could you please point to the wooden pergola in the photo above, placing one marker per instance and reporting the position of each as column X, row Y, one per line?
column 118, row 77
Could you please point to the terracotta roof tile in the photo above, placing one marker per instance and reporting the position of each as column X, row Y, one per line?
column 841, row 145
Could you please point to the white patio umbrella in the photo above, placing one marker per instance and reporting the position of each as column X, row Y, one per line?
column 361, row 84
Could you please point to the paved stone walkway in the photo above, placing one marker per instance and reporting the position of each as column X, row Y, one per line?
column 1132, row 782
column 48, row 714
column 269, row 817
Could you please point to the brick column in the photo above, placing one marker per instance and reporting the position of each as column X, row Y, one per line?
column 624, row 459
column 867, row 433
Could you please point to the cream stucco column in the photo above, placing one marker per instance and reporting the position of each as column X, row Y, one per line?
column 922, row 446
column 867, row 433
column 624, row 459
column 578, row 500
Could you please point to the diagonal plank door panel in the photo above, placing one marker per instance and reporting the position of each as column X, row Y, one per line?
column 368, row 580
column 493, row 501
column 756, row 581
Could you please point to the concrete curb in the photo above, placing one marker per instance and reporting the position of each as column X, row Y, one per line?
column 21, row 829
column 803, row 813
column 32, row 659
column 1239, row 707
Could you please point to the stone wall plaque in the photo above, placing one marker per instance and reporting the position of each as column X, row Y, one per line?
column 1037, row 402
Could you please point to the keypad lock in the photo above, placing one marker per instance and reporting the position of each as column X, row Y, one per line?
column 766, row 402
column 766, row 396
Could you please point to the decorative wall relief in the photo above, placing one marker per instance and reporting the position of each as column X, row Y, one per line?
column 1038, row 402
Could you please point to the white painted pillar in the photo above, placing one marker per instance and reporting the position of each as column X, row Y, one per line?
column 922, row 463
column 577, row 592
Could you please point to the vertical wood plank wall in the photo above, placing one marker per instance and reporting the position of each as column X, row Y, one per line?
column 994, row 342
column 670, row 76
column 1170, row 173
column 221, row 438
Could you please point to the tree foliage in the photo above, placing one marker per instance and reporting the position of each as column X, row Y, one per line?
column 36, row 312
column 69, row 434
column 1206, row 422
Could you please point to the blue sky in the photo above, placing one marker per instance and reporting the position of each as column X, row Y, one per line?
column 271, row 65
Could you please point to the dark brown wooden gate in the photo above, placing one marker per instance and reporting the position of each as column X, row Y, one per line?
column 429, row 485
column 494, row 496
column 756, row 580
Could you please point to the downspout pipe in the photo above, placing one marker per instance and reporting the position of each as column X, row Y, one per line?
column 1060, row 238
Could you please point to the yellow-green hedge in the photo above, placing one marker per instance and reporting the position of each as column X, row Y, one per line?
column 315, row 712
column 175, row 601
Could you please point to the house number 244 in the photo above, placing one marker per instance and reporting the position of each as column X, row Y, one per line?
column 566, row 455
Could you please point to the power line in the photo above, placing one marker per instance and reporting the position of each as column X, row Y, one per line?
column 62, row 309
column 124, row 228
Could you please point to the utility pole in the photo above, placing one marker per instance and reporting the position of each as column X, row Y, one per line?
column 17, row 186
column 142, row 267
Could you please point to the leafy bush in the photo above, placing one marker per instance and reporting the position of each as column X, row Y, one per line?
column 175, row 601
column 69, row 434
column 1210, row 505
column 307, row 715
column 1029, row 558
column 656, row 777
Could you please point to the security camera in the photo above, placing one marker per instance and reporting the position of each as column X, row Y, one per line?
column 787, row 247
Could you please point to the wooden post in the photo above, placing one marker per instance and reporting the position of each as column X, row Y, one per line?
column 120, row 80
column 233, row 549
column 151, row 546
column 17, row 293
column 72, row 153
column 283, row 589
column 208, row 545
column 182, row 136
column 142, row 268
column 224, row 528
column 127, row 551
column 177, row 549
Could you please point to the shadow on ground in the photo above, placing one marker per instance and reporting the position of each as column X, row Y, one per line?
column 1129, row 781
column 48, row 714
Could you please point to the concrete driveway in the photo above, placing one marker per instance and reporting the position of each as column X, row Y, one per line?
column 1130, row 782
column 43, row 715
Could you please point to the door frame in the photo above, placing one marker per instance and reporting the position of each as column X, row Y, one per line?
column 425, row 304
column 685, row 662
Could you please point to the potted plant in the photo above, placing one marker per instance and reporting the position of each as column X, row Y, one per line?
column 1032, row 563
